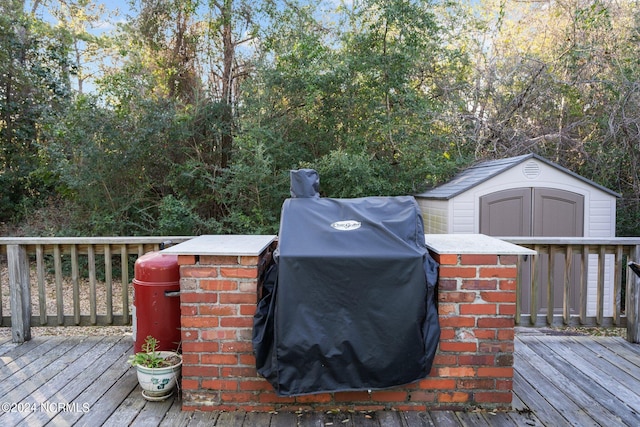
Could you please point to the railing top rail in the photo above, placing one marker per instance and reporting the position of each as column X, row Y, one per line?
column 175, row 239
column 630, row 241
column 113, row 240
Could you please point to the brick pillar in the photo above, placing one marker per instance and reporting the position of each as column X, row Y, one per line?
column 218, row 297
column 477, row 305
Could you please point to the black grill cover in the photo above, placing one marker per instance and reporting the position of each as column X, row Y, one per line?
column 350, row 303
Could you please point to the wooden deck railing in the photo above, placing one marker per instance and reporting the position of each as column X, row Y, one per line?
column 579, row 264
column 71, row 281
column 75, row 274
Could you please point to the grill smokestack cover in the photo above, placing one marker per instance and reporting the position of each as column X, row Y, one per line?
column 305, row 183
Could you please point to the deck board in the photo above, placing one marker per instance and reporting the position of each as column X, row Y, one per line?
column 83, row 366
column 308, row 419
column 444, row 418
column 472, row 419
column 385, row 418
column 6, row 345
column 573, row 387
column 558, row 381
column 551, row 389
column 543, row 409
column 419, row 419
column 18, row 360
column 108, row 377
column 572, row 373
column 602, row 380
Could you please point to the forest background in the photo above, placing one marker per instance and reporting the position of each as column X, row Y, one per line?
column 184, row 117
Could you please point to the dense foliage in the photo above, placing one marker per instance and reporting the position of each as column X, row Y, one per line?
column 187, row 118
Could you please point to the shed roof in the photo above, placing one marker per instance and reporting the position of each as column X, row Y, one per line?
column 484, row 171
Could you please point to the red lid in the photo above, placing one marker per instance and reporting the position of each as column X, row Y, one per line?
column 157, row 267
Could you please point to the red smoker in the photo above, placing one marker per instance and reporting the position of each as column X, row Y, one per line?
column 156, row 300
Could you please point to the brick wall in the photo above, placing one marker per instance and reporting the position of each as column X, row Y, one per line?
column 473, row 366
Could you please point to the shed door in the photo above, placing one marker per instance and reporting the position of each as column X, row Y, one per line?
column 540, row 212
column 506, row 213
column 557, row 213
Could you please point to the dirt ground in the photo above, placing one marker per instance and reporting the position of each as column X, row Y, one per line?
column 583, row 330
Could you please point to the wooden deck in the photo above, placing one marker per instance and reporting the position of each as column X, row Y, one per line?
column 559, row 381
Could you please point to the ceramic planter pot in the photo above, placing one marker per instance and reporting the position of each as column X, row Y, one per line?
column 158, row 383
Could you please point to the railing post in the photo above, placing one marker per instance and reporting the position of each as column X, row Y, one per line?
column 533, row 300
column 633, row 303
column 20, row 290
column 584, row 283
column 521, row 261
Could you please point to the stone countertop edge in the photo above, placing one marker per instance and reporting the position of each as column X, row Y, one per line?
column 240, row 245
column 478, row 244
column 254, row 245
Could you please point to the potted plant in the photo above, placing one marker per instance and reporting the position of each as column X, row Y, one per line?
column 158, row 371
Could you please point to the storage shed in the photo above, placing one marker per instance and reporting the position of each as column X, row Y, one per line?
column 526, row 195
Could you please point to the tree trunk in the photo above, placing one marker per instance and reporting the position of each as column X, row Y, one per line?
column 227, row 85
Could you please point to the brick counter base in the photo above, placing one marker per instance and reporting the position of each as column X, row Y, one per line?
column 473, row 366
